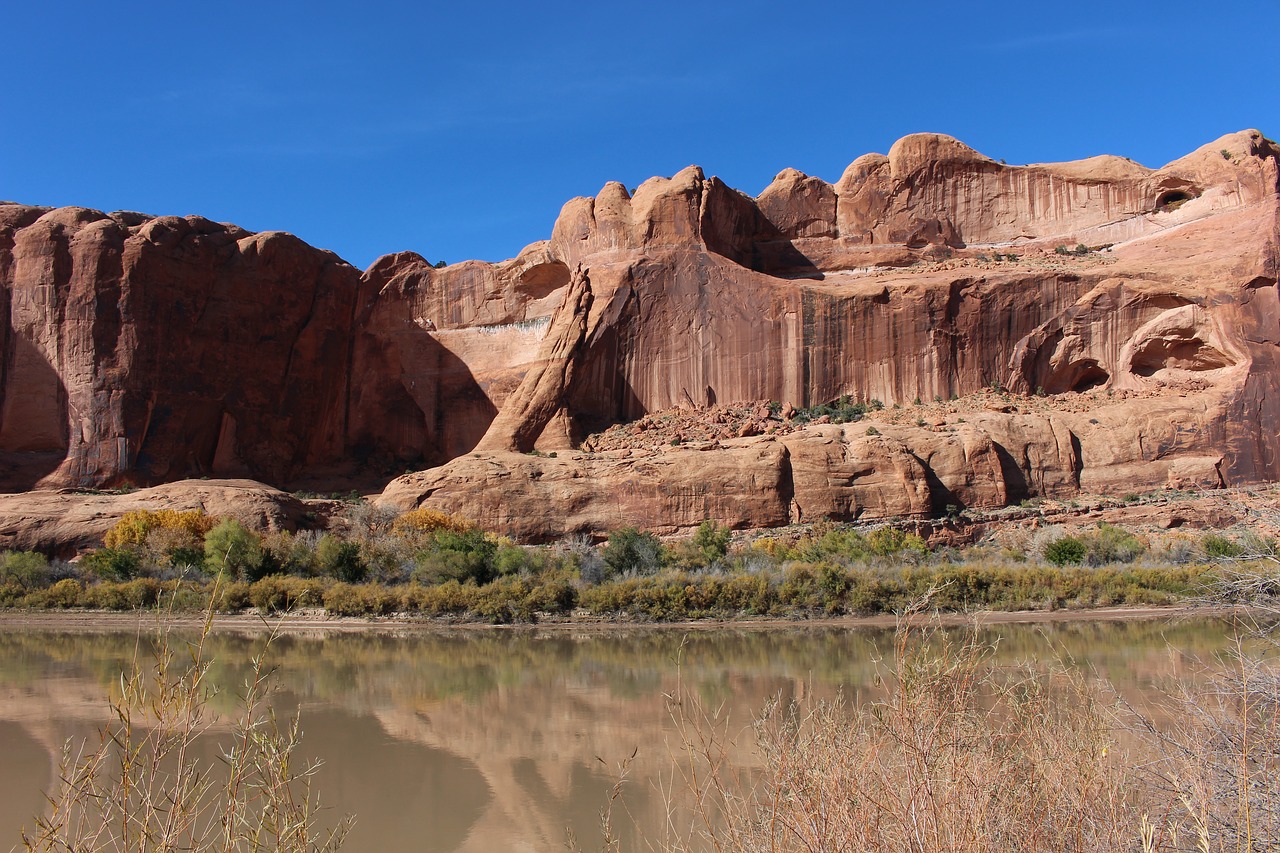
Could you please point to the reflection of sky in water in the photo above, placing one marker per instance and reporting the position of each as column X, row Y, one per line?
column 485, row 740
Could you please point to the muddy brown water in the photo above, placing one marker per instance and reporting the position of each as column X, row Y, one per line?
column 508, row 740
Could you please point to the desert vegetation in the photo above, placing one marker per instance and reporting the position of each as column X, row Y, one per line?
column 147, row 783
column 962, row 754
column 425, row 563
column 957, row 753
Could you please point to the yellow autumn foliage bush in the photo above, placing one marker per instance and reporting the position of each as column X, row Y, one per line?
column 423, row 520
column 134, row 527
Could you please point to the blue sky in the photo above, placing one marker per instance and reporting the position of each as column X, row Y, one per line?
column 458, row 130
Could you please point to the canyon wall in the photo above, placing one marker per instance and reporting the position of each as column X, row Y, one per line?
column 143, row 350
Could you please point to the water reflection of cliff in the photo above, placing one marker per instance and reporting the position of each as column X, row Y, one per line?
column 490, row 740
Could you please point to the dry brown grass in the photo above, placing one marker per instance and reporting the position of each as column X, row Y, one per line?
column 1216, row 763
column 148, row 783
column 958, row 756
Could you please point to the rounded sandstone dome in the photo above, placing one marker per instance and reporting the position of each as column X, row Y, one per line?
column 911, row 153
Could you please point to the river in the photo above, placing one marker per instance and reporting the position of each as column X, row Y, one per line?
column 481, row 740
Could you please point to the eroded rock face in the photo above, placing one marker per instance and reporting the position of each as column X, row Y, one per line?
column 928, row 274
column 917, row 461
column 140, row 349
column 62, row 521
column 148, row 349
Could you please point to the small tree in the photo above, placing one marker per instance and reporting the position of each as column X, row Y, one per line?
column 340, row 559
column 708, row 545
column 712, row 541
column 632, row 551
column 231, row 549
column 1065, row 551
column 27, row 569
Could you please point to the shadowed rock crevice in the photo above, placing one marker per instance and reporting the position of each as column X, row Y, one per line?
column 541, row 394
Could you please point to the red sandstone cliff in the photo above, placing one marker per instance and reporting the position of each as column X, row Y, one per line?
column 145, row 350
column 149, row 349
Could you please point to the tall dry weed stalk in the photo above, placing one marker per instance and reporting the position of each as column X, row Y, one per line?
column 148, row 786
column 959, row 756
column 1216, row 762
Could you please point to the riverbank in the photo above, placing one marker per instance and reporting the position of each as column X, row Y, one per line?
column 316, row 620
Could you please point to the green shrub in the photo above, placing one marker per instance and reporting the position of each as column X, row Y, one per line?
column 631, row 551
column 511, row 560
column 231, row 549
column 1111, row 544
column 850, row 545
column 65, row 593
column 711, row 540
column 106, row 595
column 231, row 597
column 142, row 592
column 450, row 598
column 11, row 594
column 612, row 597
column 112, row 564
column 344, row 599
column 136, row 594
column 340, row 559
column 185, row 557
column 187, row 597
column 841, row 411
column 1065, row 551
column 25, row 569
column 888, row 541
column 867, row 594
column 457, row 555
column 752, row 594
column 280, row 593
column 1221, row 548
column 799, row 589
column 503, row 601
column 552, row 595
column 708, row 545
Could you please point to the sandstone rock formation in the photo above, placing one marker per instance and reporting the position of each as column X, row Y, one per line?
column 144, row 350
column 64, row 522
column 533, row 405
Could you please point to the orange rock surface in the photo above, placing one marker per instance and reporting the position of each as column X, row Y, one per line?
column 932, row 279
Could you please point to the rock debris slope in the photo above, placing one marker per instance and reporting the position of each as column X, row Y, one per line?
column 1028, row 330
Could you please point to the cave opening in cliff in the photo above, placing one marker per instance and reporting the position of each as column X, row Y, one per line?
column 1092, row 376
column 1173, row 200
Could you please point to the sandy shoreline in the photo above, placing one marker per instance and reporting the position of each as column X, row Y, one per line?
column 316, row 621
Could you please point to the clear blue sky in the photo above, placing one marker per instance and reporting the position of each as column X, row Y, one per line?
column 459, row 129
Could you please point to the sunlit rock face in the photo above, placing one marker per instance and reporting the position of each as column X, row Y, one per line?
column 1129, row 315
